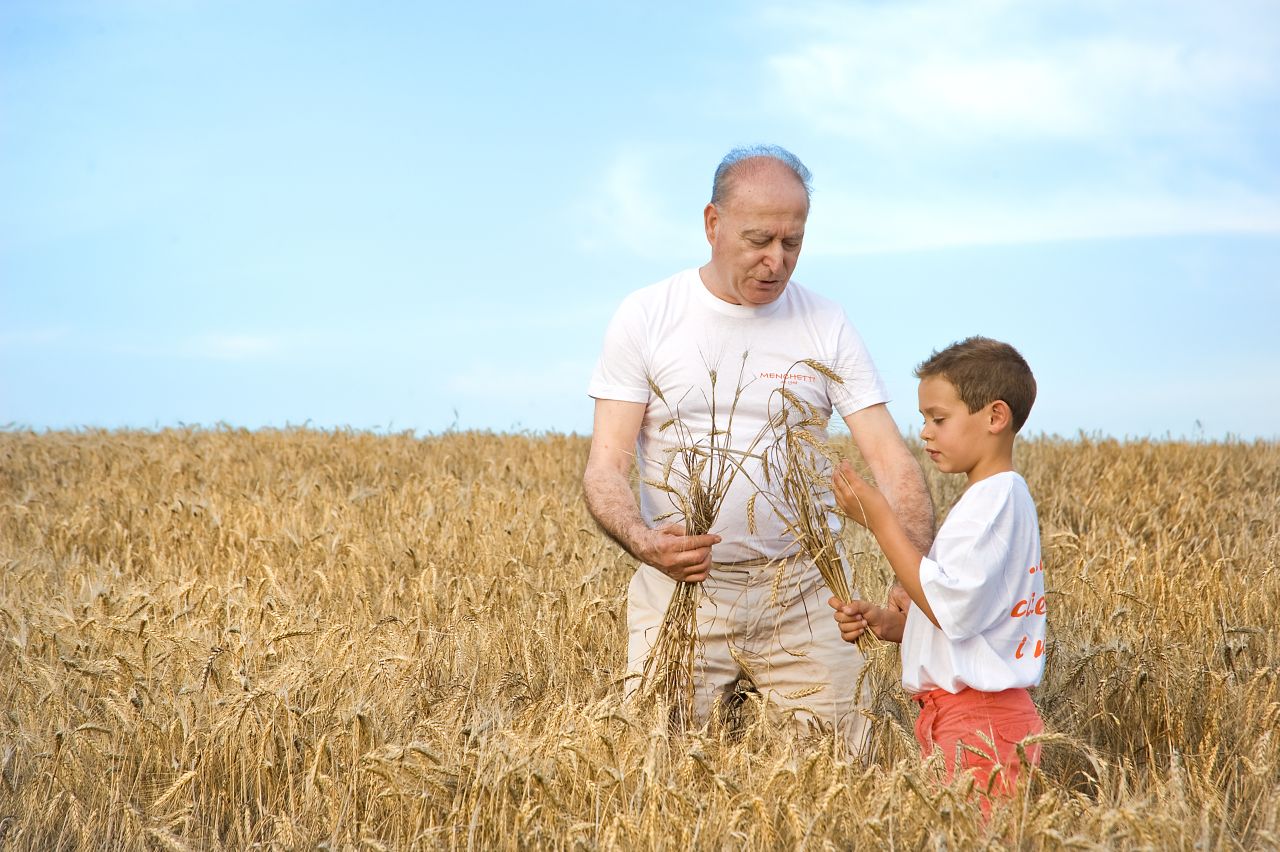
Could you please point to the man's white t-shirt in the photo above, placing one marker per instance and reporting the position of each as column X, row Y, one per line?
column 675, row 334
column 984, row 580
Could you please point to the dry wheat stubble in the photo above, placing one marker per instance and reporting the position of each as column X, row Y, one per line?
column 216, row 639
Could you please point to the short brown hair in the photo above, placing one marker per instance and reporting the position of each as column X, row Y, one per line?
column 983, row 370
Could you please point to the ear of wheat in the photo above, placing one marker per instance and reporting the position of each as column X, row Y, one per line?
column 696, row 477
column 800, row 467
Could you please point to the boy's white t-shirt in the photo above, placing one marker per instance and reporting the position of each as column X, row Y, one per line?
column 984, row 580
column 675, row 333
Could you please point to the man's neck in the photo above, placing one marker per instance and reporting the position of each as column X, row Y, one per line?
column 712, row 281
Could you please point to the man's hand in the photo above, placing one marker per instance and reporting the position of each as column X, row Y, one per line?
column 899, row 599
column 859, row 499
column 855, row 617
column 683, row 558
column 607, row 488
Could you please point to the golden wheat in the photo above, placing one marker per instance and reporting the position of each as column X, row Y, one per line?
column 800, row 488
column 282, row 639
column 697, row 486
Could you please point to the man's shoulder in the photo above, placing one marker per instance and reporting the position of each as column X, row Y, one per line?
column 658, row 293
column 671, row 284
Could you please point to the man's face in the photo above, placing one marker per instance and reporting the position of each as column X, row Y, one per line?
column 756, row 234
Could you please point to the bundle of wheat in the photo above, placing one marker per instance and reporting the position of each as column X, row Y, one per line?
column 798, row 466
column 696, row 476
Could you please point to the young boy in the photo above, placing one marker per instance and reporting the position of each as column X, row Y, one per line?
column 973, row 641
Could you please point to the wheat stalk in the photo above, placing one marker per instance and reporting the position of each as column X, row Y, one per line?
column 696, row 477
column 801, row 465
column 490, row 715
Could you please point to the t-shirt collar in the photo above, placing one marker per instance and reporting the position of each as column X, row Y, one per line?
column 729, row 309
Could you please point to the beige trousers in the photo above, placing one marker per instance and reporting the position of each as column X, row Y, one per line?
column 776, row 631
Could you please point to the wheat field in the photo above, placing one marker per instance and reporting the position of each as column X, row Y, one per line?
column 221, row 639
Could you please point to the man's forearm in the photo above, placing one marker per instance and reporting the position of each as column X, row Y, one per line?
column 904, row 488
column 612, row 503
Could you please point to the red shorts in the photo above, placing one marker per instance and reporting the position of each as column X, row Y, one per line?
column 977, row 720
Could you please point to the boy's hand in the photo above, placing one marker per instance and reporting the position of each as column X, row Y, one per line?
column 850, row 617
column 855, row 617
column 859, row 499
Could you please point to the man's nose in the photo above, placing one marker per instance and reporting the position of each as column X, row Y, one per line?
column 773, row 256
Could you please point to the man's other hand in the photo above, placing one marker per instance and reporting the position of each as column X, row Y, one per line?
column 898, row 598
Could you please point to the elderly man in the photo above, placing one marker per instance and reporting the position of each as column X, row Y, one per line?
column 742, row 317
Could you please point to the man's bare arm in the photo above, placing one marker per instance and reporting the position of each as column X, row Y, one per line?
column 607, row 486
column 900, row 479
column 896, row 471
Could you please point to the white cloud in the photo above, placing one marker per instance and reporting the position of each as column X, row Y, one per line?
column 628, row 209
column 949, row 124
column 967, row 72
column 854, row 224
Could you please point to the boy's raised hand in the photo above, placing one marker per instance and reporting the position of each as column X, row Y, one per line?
column 858, row 498
column 855, row 617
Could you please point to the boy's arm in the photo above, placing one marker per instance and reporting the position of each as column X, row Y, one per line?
column 863, row 503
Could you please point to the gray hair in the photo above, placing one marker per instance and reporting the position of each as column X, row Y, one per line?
column 723, row 181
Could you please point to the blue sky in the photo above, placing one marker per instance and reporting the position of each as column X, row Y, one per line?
column 407, row 215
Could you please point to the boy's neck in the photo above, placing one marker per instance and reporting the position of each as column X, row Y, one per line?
column 1000, row 460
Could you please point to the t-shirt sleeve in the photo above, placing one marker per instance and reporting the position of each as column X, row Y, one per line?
column 862, row 385
column 966, row 580
column 620, row 372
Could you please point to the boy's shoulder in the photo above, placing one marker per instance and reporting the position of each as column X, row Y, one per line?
column 996, row 495
column 1007, row 483
column 996, row 512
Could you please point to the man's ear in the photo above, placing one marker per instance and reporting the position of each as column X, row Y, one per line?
column 710, row 221
column 1001, row 416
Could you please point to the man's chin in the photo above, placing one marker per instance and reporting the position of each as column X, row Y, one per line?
column 761, row 292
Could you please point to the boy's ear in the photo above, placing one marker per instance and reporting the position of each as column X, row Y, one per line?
column 1001, row 416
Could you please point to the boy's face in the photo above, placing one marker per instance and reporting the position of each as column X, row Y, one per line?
column 954, row 438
